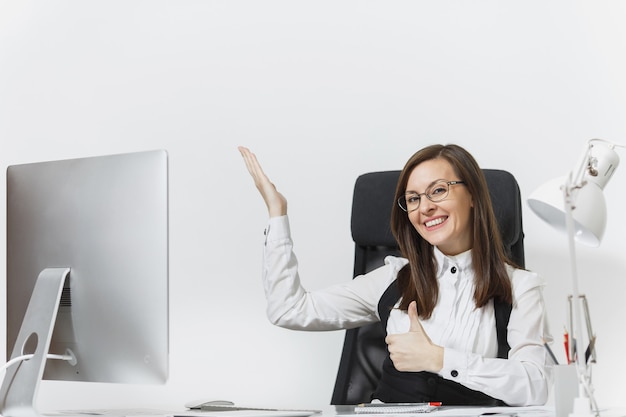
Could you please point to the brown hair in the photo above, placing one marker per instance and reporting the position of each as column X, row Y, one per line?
column 418, row 279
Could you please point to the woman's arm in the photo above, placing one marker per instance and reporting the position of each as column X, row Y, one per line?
column 288, row 304
column 347, row 305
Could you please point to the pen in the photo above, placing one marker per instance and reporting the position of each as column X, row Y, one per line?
column 545, row 344
column 566, row 343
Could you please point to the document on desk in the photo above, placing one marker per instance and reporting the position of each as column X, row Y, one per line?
column 478, row 411
column 388, row 410
column 396, row 408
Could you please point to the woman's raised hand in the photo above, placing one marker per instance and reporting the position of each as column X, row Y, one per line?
column 276, row 203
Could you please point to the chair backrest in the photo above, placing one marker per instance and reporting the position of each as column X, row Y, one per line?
column 364, row 348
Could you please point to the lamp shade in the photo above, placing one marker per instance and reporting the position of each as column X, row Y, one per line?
column 589, row 211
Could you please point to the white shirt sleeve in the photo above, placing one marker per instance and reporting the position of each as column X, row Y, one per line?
column 347, row 305
column 521, row 379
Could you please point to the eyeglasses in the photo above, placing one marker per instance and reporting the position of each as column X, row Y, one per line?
column 436, row 192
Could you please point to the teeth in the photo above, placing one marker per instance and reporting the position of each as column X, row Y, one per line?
column 435, row 222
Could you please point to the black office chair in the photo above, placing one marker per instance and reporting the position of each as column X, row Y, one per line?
column 364, row 348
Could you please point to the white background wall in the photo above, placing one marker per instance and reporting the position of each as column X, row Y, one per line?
column 322, row 91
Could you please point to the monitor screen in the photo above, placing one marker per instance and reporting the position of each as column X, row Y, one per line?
column 105, row 220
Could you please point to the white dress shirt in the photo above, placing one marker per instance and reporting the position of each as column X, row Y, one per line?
column 467, row 333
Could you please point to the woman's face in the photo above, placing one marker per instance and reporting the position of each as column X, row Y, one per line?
column 446, row 224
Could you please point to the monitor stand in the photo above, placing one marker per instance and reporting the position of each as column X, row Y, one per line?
column 21, row 381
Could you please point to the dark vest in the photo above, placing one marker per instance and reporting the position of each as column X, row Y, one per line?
column 402, row 387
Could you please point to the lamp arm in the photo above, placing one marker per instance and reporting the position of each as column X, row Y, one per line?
column 586, row 399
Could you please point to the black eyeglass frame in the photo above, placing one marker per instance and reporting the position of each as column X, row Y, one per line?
column 427, row 194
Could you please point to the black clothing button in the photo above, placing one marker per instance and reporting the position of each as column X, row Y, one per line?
column 453, row 270
column 454, row 373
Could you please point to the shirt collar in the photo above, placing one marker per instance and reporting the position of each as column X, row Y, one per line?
column 462, row 261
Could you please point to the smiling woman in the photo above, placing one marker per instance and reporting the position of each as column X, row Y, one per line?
column 437, row 302
column 461, row 221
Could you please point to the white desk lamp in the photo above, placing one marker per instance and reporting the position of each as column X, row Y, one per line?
column 575, row 204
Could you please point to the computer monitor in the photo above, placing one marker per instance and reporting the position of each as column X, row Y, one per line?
column 87, row 242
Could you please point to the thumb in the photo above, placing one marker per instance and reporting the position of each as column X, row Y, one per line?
column 415, row 325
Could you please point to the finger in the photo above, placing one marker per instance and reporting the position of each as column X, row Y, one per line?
column 415, row 325
column 275, row 202
column 254, row 168
column 252, row 164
